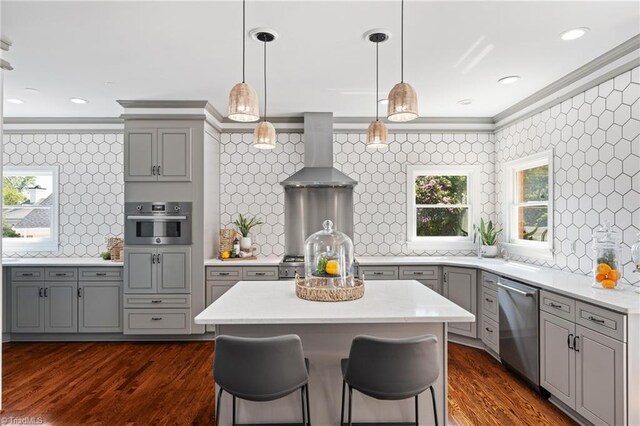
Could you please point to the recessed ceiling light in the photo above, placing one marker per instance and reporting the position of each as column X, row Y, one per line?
column 465, row 101
column 78, row 100
column 15, row 101
column 383, row 101
column 574, row 33
column 109, row 83
column 510, row 79
column 31, row 90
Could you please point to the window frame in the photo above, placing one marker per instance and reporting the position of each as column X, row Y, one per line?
column 472, row 173
column 535, row 249
column 37, row 244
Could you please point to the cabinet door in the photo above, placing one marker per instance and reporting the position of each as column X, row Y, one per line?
column 174, row 154
column 61, row 307
column 432, row 284
column 557, row 358
column 27, row 307
column 460, row 287
column 140, row 270
column 600, row 378
column 100, row 307
column 214, row 290
column 174, row 270
column 140, row 155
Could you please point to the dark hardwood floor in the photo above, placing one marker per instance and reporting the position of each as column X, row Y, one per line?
column 172, row 384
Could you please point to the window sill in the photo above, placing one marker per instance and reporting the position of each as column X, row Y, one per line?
column 540, row 253
column 23, row 248
column 441, row 245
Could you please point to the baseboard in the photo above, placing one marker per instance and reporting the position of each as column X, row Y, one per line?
column 466, row 341
column 102, row 337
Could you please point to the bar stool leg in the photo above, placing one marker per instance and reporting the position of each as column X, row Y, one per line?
column 304, row 414
column 233, row 416
column 350, row 398
column 344, row 385
column 218, row 407
column 306, row 387
column 416, row 398
column 433, row 399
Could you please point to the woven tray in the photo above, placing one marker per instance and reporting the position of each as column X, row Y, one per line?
column 319, row 291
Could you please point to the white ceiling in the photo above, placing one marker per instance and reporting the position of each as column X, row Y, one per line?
column 192, row 50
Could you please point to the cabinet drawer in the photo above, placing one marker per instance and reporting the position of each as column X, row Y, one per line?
column 61, row 274
column 100, row 274
column 259, row 274
column 419, row 272
column 224, row 273
column 489, row 280
column 609, row 323
column 489, row 303
column 27, row 274
column 555, row 304
column 379, row 272
column 157, row 321
column 157, row 301
column 489, row 334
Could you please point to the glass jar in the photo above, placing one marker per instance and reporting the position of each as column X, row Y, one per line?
column 606, row 266
column 635, row 255
column 329, row 254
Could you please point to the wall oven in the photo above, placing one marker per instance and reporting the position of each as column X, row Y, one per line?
column 160, row 222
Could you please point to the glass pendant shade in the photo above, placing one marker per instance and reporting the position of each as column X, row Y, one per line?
column 264, row 136
column 378, row 135
column 403, row 103
column 243, row 103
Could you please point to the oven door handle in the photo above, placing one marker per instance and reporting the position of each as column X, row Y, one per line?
column 157, row 218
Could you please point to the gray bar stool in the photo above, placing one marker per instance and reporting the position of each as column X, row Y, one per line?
column 391, row 369
column 261, row 369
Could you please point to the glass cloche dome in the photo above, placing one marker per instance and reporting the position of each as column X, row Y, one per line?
column 329, row 254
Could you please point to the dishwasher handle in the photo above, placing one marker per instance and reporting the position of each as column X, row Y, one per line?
column 516, row 290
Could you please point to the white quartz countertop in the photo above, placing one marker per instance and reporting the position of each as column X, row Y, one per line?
column 275, row 302
column 59, row 261
column 261, row 261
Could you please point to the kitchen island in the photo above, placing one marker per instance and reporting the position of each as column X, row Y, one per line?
column 388, row 309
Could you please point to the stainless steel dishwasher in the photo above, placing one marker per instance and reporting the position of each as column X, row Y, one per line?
column 519, row 329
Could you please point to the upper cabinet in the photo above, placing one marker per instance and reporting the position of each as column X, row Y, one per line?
column 153, row 154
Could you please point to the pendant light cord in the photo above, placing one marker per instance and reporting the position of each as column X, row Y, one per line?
column 377, row 107
column 244, row 41
column 265, row 80
column 401, row 41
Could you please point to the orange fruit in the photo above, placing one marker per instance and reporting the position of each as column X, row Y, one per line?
column 332, row 267
column 600, row 277
column 608, row 284
column 614, row 275
column 603, row 268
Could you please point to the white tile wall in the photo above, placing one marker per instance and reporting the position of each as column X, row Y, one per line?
column 90, row 182
column 596, row 144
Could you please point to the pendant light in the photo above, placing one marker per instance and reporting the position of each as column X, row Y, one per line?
column 243, row 99
column 265, row 134
column 378, row 135
column 403, row 100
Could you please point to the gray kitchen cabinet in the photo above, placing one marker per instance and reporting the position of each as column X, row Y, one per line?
column 140, row 272
column 600, row 378
column 174, row 155
column 432, row 284
column 174, row 269
column 100, row 307
column 557, row 358
column 460, row 286
column 27, row 307
column 152, row 154
column 214, row 290
column 140, row 155
column 61, row 307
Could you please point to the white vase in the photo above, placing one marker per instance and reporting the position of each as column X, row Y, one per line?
column 489, row 251
column 245, row 243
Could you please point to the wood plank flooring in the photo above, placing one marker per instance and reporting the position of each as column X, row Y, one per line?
column 172, row 384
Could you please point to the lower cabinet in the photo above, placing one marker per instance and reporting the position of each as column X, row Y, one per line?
column 459, row 286
column 214, row 290
column 39, row 307
column 61, row 307
column 27, row 307
column 100, row 307
column 157, row 314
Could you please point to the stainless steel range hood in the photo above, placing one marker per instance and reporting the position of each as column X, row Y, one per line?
column 318, row 191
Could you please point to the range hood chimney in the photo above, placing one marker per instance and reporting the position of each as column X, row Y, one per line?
column 318, row 170
column 318, row 191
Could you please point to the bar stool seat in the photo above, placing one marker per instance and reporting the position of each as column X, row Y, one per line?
column 391, row 369
column 261, row 369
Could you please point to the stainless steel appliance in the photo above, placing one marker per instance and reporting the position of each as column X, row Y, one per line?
column 518, row 305
column 290, row 266
column 161, row 222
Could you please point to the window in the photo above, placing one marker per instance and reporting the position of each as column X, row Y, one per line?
column 30, row 209
column 441, row 206
column 529, row 205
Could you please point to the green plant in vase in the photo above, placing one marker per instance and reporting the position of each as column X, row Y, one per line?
column 489, row 234
column 245, row 224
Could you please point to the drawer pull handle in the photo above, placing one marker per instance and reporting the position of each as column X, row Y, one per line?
column 224, row 273
column 378, row 273
column 156, row 318
column 488, row 329
column 489, row 281
column 488, row 300
column 101, row 274
column 260, row 274
column 418, row 273
column 61, row 274
column 26, row 274
column 46, row 292
column 569, row 341
column 156, row 301
column 555, row 305
column 41, row 292
column 597, row 320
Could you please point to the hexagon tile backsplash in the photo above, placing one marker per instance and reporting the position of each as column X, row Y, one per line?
column 90, row 183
